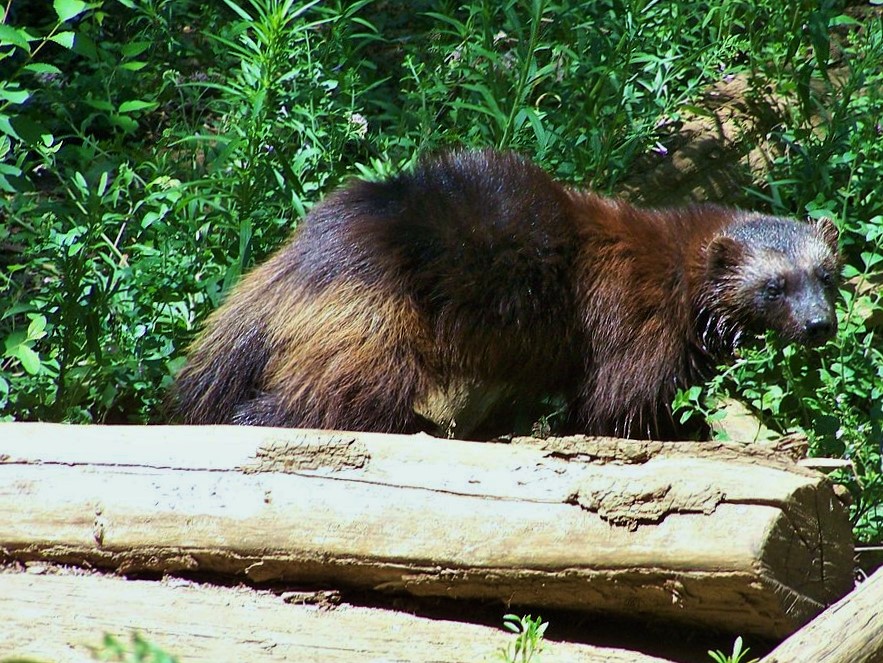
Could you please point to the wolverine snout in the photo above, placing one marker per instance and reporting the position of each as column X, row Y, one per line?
column 819, row 329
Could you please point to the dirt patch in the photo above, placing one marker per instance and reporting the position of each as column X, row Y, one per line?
column 712, row 152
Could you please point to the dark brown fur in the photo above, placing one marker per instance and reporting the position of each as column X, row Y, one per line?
column 468, row 290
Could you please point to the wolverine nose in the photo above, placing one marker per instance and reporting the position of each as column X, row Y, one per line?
column 818, row 330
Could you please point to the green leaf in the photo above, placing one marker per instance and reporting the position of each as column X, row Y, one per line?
column 42, row 68
column 85, row 46
column 6, row 126
column 80, row 183
column 65, row 39
column 844, row 19
column 10, row 36
column 68, row 9
column 135, row 48
column 133, row 66
column 137, row 105
column 14, row 96
column 27, row 130
column 99, row 104
column 37, row 327
column 102, row 184
column 29, row 359
column 239, row 10
column 870, row 259
column 6, row 185
column 124, row 122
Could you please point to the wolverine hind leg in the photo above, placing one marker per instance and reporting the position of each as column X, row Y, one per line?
column 349, row 357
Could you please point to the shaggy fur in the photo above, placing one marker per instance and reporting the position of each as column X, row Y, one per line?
column 452, row 297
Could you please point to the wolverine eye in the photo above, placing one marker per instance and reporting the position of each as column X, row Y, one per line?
column 826, row 277
column 773, row 290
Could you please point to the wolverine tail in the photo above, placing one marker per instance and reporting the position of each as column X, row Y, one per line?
column 223, row 366
column 344, row 355
column 347, row 356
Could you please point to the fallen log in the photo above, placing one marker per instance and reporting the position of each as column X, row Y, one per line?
column 729, row 536
column 851, row 631
column 199, row 623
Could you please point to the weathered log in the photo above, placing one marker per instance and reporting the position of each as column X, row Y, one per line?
column 850, row 631
column 56, row 618
column 734, row 537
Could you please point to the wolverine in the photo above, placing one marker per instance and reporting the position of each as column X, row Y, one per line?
column 458, row 296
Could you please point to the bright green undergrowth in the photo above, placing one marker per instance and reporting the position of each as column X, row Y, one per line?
column 152, row 150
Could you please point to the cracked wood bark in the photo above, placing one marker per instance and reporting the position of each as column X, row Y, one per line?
column 202, row 623
column 851, row 631
column 733, row 537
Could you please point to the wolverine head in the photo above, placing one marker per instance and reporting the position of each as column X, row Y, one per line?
column 775, row 273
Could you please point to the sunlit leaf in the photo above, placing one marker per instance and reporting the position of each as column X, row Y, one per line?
column 68, row 9
column 42, row 68
column 14, row 37
column 65, row 39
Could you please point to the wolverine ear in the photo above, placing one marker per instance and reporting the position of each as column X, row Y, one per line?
column 828, row 232
column 722, row 255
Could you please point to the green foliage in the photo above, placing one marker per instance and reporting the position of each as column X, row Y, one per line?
column 527, row 643
column 737, row 656
column 695, row 401
column 582, row 86
column 77, row 321
column 138, row 651
column 829, row 163
column 152, row 150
